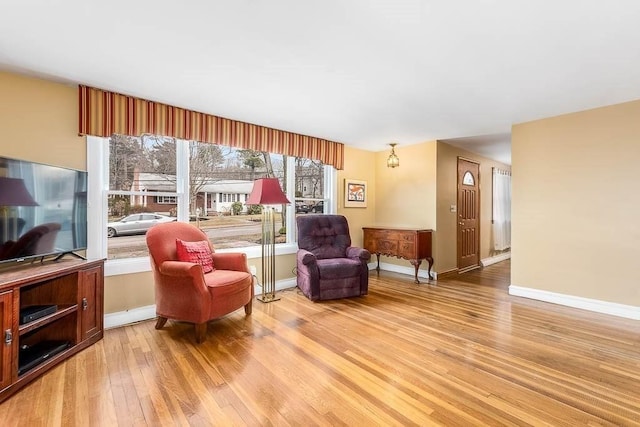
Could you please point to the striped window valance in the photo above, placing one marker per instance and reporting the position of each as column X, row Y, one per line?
column 104, row 113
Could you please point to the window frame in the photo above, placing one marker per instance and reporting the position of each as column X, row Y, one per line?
column 173, row 200
column 98, row 190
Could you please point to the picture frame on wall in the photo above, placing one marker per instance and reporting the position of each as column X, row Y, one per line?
column 355, row 193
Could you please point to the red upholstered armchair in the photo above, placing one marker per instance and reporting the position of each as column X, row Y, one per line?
column 184, row 291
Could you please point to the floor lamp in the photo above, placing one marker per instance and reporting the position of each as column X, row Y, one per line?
column 267, row 192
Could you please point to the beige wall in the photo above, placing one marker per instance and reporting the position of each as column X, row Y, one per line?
column 39, row 122
column 358, row 164
column 445, row 250
column 405, row 196
column 128, row 291
column 575, row 227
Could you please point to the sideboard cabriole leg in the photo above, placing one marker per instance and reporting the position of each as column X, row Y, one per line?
column 430, row 261
column 416, row 265
column 378, row 266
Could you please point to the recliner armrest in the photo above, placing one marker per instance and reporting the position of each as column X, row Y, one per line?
column 355, row 252
column 306, row 258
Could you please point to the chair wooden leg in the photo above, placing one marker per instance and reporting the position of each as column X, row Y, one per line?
column 201, row 332
column 160, row 322
column 248, row 307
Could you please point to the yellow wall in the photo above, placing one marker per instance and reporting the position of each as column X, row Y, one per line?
column 39, row 122
column 575, row 227
column 358, row 164
column 445, row 250
column 405, row 196
column 127, row 291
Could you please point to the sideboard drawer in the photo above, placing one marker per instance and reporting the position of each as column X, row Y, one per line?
column 387, row 246
column 406, row 250
column 411, row 244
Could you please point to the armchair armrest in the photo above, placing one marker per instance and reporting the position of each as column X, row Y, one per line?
column 236, row 261
column 176, row 278
column 354, row 252
column 180, row 269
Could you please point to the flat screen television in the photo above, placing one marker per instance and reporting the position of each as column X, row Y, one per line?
column 43, row 210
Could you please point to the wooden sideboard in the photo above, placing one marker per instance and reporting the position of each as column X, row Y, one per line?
column 411, row 244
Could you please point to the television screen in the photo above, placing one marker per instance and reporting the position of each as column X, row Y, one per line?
column 43, row 210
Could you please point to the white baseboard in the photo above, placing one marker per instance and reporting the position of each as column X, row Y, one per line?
column 410, row 270
column 121, row 318
column 494, row 259
column 620, row 310
column 138, row 314
column 280, row 285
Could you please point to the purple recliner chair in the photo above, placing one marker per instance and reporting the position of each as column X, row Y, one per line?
column 328, row 266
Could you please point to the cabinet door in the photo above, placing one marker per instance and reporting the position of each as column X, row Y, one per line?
column 91, row 302
column 8, row 336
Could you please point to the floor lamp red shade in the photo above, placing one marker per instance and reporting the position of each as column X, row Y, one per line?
column 267, row 191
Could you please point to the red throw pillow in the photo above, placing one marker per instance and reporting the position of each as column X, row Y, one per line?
column 198, row 252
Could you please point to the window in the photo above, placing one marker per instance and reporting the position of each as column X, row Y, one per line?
column 310, row 185
column 142, row 172
column 167, row 200
column 467, row 179
column 206, row 184
column 501, row 209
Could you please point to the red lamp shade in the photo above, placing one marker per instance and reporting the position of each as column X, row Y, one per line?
column 267, row 191
column 13, row 192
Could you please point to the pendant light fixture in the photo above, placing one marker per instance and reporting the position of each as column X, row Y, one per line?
column 393, row 161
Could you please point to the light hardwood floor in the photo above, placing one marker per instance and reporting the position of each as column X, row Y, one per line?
column 460, row 352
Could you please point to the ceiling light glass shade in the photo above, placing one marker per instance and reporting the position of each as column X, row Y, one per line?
column 393, row 161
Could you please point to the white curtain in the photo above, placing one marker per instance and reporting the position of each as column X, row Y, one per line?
column 501, row 209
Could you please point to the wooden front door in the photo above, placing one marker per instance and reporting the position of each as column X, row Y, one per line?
column 468, row 215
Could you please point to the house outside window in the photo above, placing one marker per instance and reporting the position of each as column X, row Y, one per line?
column 201, row 183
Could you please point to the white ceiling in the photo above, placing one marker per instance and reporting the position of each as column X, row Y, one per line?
column 361, row 72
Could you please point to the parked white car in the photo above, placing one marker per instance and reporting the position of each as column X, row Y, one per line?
column 136, row 224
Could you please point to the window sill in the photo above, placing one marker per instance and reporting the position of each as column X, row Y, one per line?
column 116, row 267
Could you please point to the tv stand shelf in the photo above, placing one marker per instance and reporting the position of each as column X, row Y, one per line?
column 35, row 324
column 75, row 288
